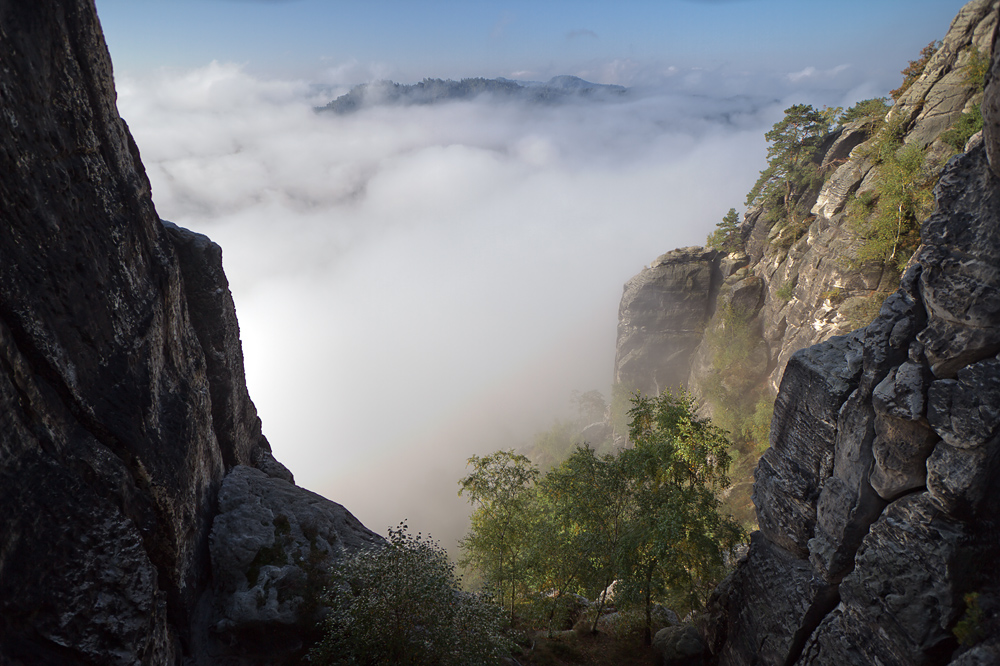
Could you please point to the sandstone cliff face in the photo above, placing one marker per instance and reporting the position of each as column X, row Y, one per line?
column 878, row 499
column 809, row 286
column 122, row 400
column 662, row 318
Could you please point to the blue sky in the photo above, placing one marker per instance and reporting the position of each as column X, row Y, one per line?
column 411, row 39
column 418, row 285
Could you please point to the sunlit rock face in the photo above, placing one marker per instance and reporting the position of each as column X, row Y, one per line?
column 795, row 290
column 122, row 398
column 662, row 318
column 880, row 519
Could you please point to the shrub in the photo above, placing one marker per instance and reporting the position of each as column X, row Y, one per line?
column 786, row 290
column 726, row 237
column 967, row 124
column 859, row 312
column 970, row 629
column 904, row 192
column 915, row 69
column 836, row 296
column 399, row 604
column 976, row 69
column 872, row 111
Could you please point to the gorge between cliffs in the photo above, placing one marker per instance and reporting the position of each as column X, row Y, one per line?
column 144, row 518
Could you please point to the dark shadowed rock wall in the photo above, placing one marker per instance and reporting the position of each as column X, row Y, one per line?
column 878, row 500
column 123, row 408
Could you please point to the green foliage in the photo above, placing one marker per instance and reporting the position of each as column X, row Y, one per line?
column 914, row 69
column 399, row 604
column 787, row 289
column 501, row 489
column 734, row 388
column 976, row 70
column 904, row 192
column 621, row 402
column 967, row 124
column 590, row 405
column 647, row 517
column 971, row 629
column 679, row 534
column 791, row 168
column 550, row 447
column 871, row 111
column 726, row 237
column 836, row 296
column 860, row 312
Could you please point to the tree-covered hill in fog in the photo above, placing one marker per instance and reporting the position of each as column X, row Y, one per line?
column 432, row 91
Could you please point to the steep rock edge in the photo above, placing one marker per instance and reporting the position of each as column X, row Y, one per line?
column 822, row 285
column 878, row 499
column 132, row 465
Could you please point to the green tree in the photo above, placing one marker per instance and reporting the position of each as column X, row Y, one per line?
column 914, row 69
column 592, row 500
column 678, row 465
column 871, row 111
column 790, row 159
column 726, row 237
column 591, row 406
column 399, row 604
column 500, row 488
column 903, row 198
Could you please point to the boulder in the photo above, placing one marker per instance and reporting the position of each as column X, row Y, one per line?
column 679, row 646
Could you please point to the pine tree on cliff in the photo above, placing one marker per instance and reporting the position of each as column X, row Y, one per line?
column 790, row 167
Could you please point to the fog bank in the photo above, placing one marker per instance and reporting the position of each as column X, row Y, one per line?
column 416, row 285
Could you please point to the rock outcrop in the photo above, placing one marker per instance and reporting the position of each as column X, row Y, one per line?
column 662, row 319
column 878, row 500
column 799, row 286
column 123, row 408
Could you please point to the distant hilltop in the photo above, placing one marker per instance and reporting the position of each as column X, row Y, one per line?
column 432, row 91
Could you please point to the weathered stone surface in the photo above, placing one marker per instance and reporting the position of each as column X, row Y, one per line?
column 662, row 318
column 903, row 440
column 848, row 174
column 271, row 545
column 990, row 108
column 936, row 97
column 816, row 383
column 206, row 288
column 899, row 603
column 921, row 426
column 965, row 411
column 679, row 646
column 757, row 610
column 122, row 399
column 960, row 281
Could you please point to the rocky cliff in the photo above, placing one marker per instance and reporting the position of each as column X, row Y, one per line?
column 878, row 498
column 144, row 519
column 794, row 285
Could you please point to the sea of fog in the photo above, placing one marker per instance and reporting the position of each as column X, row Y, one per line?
column 416, row 285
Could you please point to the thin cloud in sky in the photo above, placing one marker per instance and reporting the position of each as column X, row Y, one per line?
column 582, row 33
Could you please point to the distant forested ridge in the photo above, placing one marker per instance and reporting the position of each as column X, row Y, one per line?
column 433, row 91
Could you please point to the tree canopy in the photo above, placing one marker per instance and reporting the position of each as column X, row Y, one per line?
column 646, row 517
column 790, row 168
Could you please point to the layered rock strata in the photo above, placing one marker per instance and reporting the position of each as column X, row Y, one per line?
column 662, row 318
column 806, row 289
column 879, row 539
column 123, row 408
